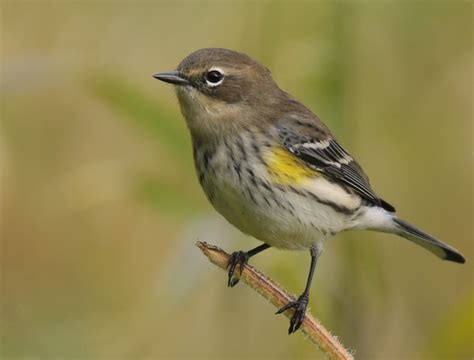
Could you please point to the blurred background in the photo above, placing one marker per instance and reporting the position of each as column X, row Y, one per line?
column 100, row 207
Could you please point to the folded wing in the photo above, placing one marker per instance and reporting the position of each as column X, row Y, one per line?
column 313, row 143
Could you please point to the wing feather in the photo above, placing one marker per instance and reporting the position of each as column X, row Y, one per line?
column 312, row 142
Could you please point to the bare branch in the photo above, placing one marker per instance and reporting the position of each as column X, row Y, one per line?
column 316, row 332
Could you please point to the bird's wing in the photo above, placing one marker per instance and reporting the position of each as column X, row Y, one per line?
column 308, row 139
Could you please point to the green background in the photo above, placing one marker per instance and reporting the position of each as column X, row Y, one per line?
column 100, row 207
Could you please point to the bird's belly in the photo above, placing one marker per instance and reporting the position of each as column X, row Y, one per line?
column 277, row 217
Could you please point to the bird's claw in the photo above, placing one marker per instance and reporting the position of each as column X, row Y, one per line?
column 299, row 307
column 237, row 258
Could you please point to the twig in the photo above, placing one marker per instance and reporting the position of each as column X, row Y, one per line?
column 316, row 332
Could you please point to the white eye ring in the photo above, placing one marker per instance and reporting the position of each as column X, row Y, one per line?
column 218, row 75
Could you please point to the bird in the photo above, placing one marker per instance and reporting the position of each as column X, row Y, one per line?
column 273, row 169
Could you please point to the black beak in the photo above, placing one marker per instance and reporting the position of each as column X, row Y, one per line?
column 172, row 77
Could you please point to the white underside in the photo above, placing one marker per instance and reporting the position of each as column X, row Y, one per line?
column 272, row 224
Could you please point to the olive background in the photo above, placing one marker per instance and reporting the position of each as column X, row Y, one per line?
column 100, row 206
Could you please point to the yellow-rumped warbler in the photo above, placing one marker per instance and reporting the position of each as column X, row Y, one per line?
column 272, row 168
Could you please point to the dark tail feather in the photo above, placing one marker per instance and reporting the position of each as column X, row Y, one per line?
column 437, row 247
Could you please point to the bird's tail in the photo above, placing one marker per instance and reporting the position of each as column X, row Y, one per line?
column 430, row 243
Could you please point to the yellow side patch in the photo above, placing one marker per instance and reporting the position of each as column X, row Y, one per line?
column 286, row 169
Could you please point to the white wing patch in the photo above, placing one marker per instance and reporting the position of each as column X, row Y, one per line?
column 323, row 144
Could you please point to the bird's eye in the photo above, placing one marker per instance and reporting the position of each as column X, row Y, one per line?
column 214, row 77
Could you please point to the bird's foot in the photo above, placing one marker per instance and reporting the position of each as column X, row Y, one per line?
column 299, row 306
column 237, row 259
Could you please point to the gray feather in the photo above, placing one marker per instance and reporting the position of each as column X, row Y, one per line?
column 429, row 242
column 312, row 142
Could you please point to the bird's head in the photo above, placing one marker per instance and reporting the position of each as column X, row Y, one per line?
column 219, row 89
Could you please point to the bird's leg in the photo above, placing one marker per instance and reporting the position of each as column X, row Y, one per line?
column 301, row 303
column 240, row 258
